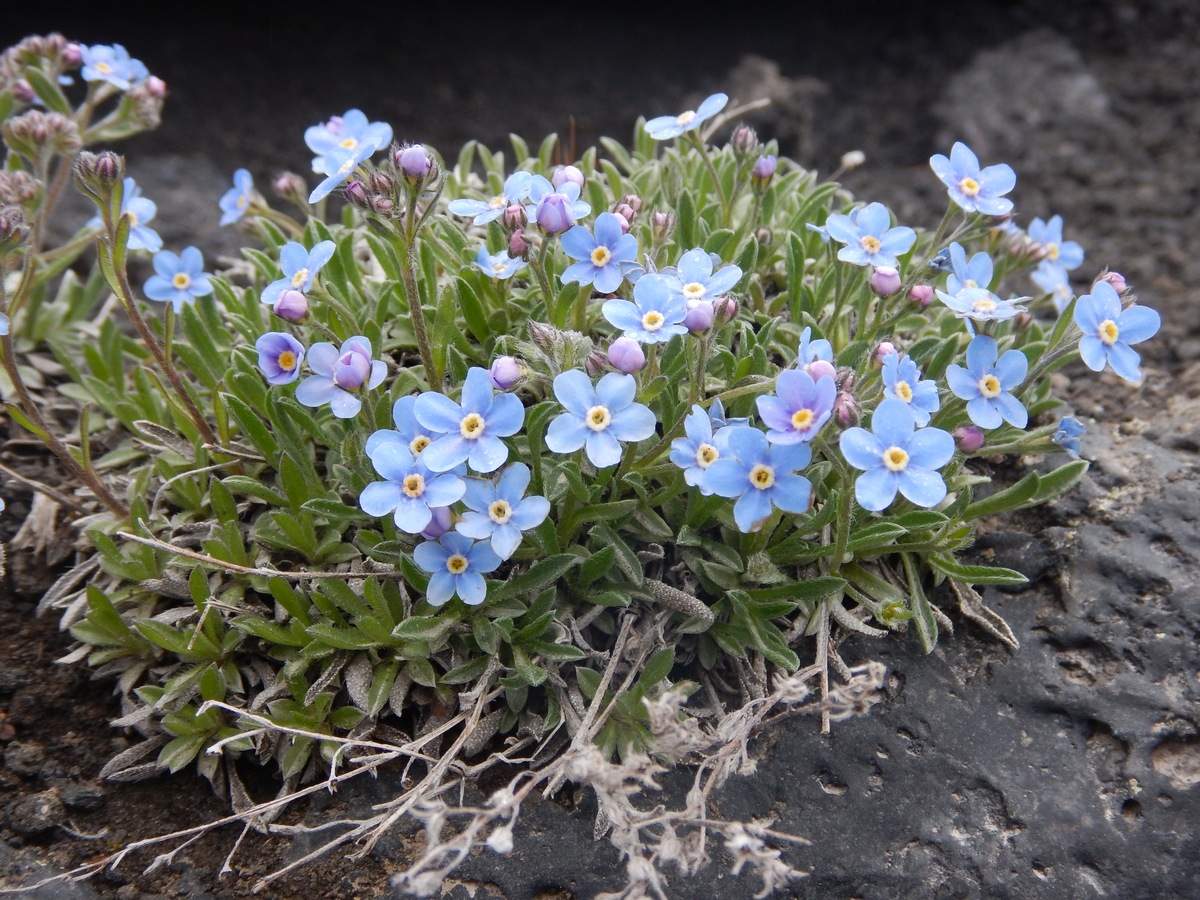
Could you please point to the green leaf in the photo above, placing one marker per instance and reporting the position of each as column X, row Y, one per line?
column 1010, row 498
column 657, row 668
column 47, row 91
column 588, row 681
column 540, row 575
column 596, row 565
column 947, row 565
column 341, row 638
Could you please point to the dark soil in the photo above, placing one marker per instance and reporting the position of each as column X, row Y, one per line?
column 1125, row 177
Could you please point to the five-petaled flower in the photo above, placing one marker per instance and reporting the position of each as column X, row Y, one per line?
column 469, row 431
column 977, row 305
column 601, row 257
column 972, row 188
column 409, row 490
column 279, row 357
column 236, row 201
column 516, row 190
column 656, row 313
column 894, row 456
column 987, row 381
column 902, row 380
column 1108, row 330
column 1048, row 236
column 761, row 475
column 499, row 265
column 662, row 128
column 408, row 431
column 698, row 277
column 338, row 373
column 299, row 267
column 1067, row 436
column 705, row 440
column 598, row 417
column 178, row 279
column 456, row 564
column 499, row 511
column 345, row 132
column 973, row 273
column 870, row 237
column 338, row 165
column 800, row 406
column 113, row 64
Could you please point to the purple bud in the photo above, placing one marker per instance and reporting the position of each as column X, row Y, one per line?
column 845, row 378
column 885, row 280
column 292, row 306
column 1117, row 280
column 921, row 294
column 595, row 363
column 382, row 205
column 414, row 162
column 546, row 337
column 764, row 169
column 725, row 308
column 626, row 355
column 885, row 348
column 819, row 368
column 634, row 201
column 351, row 370
column 846, row 410
column 357, row 194
column 563, row 174
column 744, row 140
column 505, row 372
column 969, row 438
column 699, row 315
column 73, row 54
column 514, row 217
column 554, row 214
column 624, row 222
column 442, row 521
column 626, row 212
column 518, row 244
column 22, row 91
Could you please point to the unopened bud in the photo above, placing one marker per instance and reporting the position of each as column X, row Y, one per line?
column 626, row 355
column 885, row 280
column 699, row 315
column 414, row 161
column 819, row 368
column 564, row 174
column 725, row 308
column 18, row 188
column 156, row 87
column 764, row 236
column 515, row 217
column 13, row 229
column 625, row 211
column 634, row 201
column 382, row 182
column 357, row 194
column 99, row 174
column 852, row 159
column 553, row 214
column 661, row 225
column 545, row 337
column 291, row 187
column 846, row 410
column 442, row 521
column 623, row 222
column 1117, row 280
column 292, row 306
column 883, row 349
column 505, row 372
column 744, row 140
column 22, row 91
column 921, row 294
column 845, row 378
column 595, row 363
column 764, row 170
column 382, row 204
column 518, row 244
column 969, row 438
column 72, row 54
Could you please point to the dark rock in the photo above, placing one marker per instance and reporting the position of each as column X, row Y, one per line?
column 24, row 757
column 35, row 815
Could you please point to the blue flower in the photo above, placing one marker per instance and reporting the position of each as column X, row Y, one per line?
column 235, row 201
column 279, row 357
column 656, row 313
column 516, row 190
column 409, row 490
column 5, row 324
column 894, row 456
column 469, row 432
column 696, row 279
column 338, row 372
column 662, row 128
column 981, row 305
column 761, row 476
column 456, row 563
column 706, row 439
column 1108, row 331
column 345, row 132
column 299, row 267
column 976, row 273
column 800, row 406
column 972, row 188
column 812, row 350
column 140, row 210
column 338, row 165
column 499, row 512
column 902, row 380
column 601, row 257
column 1067, row 436
column 598, row 418
column 1055, row 281
column 113, row 64
column 499, row 265
column 408, row 431
column 178, row 279
column 1049, row 235
column 869, row 236
column 987, row 382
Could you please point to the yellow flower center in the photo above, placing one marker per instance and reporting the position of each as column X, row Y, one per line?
column 499, row 511
column 802, row 418
column 970, row 283
column 413, row 485
column 471, row 426
column 601, row 257
column 694, row 290
column 348, row 166
column 653, row 320
column 870, row 243
column 762, row 477
column 419, row 443
column 903, row 391
column 182, row 281
column 685, row 117
column 349, row 143
column 456, row 564
column 299, row 278
column 598, row 418
column 989, row 386
column 103, row 68
column 133, row 219
column 895, row 459
column 1052, row 252
column 706, row 455
column 1108, row 332
column 986, row 305
column 969, row 186
column 498, row 269
column 287, row 360
column 241, row 202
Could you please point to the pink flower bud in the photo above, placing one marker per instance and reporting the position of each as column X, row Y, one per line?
column 819, row 368
column 595, row 363
column 291, row 306
column 414, row 162
column 72, row 54
column 744, row 140
column 725, row 308
column 634, row 201
column 662, row 224
column 885, row 348
column 357, row 194
column 921, row 294
column 885, row 280
column 514, row 217
column 563, row 174
column 1117, row 280
column 969, row 438
column 505, row 372
column 846, row 410
column 626, row 355
column 518, row 244
column 699, row 315
column 764, row 170
column 624, row 222
column 156, row 87
column 22, row 91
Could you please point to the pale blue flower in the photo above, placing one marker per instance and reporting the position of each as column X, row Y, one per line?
column 500, row 511
column 761, row 475
column 601, row 257
column 698, row 277
column 1055, row 281
column 456, row 564
column 408, row 431
column 1049, row 235
column 1067, row 436
column 972, row 188
column 235, row 201
column 812, row 349
column 981, row 305
column 870, row 237
column 499, row 265
column 338, row 374
column 656, row 313
column 894, row 456
column 662, row 128
column 345, row 132
column 469, row 431
column 902, row 380
column 112, row 64
column 516, row 190
column 598, row 417
column 299, row 267
column 5, row 324
column 338, row 165
column 178, row 279
column 706, row 437
column 409, row 490
column 799, row 407
column 140, row 210
column 279, row 357
column 974, row 273
column 1108, row 330
column 987, row 381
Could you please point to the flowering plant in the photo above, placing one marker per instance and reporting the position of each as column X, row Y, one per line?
column 503, row 447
